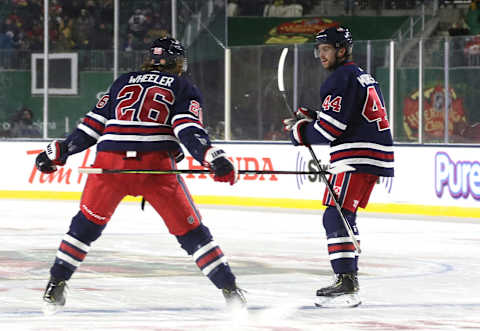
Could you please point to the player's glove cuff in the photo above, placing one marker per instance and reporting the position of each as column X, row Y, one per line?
column 223, row 169
column 57, row 152
column 211, row 154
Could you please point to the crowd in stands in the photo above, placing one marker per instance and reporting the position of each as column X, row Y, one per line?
column 88, row 24
column 79, row 24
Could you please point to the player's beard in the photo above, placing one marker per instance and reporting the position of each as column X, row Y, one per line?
column 337, row 63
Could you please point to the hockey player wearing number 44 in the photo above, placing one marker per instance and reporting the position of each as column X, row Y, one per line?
column 353, row 120
column 140, row 124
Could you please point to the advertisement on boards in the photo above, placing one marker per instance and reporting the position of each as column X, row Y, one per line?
column 430, row 176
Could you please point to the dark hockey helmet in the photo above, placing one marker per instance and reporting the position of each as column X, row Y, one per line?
column 338, row 37
column 167, row 52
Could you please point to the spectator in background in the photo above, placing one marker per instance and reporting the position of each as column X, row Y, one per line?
column 71, row 7
column 159, row 26
column 105, row 11
column 349, row 6
column 65, row 37
column 232, row 8
column 9, row 25
column 252, row 7
column 459, row 28
column 92, row 9
column 323, row 7
column 137, row 24
column 22, row 125
column 6, row 40
column 8, row 32
column 280, row 8
column 131, row 43
column 102, row 38
column 157, row 31
column 84, row 25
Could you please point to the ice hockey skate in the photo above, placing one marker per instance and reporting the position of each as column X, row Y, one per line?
column 343, row 293
column 235, row 298
column 54, row 296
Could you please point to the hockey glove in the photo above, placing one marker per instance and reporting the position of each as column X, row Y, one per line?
column 304, row 112
column 296, row 128
column 223, row 168
column 55, row 154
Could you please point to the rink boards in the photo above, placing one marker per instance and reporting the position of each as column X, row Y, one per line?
column 429, row 180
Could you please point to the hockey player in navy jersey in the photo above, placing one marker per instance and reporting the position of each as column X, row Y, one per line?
column 140, row 124
column 352, row 119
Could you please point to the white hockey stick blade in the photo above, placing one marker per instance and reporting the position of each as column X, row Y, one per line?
column 90, row 170
column 341, row 301
column 339, row 169
column 281, row 64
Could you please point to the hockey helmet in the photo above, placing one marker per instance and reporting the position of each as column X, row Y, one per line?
column 338, row 37
column 166, row 52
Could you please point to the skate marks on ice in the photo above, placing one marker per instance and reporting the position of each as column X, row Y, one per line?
column 277, row 318
column 137, row 278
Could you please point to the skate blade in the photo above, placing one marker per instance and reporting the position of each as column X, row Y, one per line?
column 341, row 301
column 50, row 309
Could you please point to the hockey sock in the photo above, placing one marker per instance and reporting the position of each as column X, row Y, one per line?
column 341, row 250
column 208, row 256
column 74, row 246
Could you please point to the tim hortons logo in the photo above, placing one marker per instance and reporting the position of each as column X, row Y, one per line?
column 63, row 175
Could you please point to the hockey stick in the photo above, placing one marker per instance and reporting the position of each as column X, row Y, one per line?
column 324, row 170
column 281, row 88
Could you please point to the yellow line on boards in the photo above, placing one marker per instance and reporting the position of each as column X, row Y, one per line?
column 386, row 208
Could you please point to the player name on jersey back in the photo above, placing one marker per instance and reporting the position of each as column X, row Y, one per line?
column 152, row 78
column 366, row 79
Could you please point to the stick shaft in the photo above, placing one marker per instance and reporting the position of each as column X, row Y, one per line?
column 337, row 204
column 283, row 92
column 193, row 171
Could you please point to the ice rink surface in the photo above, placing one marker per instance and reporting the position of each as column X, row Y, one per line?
column 415, row 274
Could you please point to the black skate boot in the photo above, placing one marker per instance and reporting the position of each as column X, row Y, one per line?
column 342, row 293
column 235, row 298
column 54, row 296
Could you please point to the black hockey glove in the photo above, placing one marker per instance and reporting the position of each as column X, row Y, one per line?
column 222, row 167
column 55, row 154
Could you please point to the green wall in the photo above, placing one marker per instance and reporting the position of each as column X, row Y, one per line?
column 16, row 92
column 256, row 30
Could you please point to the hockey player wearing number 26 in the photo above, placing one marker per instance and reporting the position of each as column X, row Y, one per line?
column 140, row 124
column 353, row 120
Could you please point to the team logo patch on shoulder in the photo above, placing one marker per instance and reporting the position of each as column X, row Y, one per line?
column 103, row 101
column 196, row 109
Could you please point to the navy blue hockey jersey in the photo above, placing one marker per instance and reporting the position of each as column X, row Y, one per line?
column 145, row 111
column 353, row 120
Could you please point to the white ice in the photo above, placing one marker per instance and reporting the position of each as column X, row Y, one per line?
column 415, row 274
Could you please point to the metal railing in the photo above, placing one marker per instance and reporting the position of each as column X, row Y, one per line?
column 416, row 24
column 414, row 93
